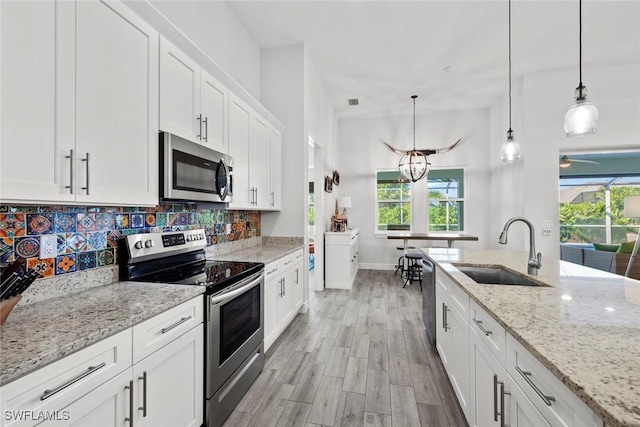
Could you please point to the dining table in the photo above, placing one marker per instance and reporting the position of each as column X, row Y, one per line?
column 449, row 236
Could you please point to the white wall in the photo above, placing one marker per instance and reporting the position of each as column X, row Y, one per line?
column 361, row 153
column 542, row 101
column 218, row 32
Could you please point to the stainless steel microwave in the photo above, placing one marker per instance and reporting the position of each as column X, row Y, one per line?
column 190, row 171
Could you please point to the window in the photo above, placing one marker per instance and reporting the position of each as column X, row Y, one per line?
column 393, row 199
column 445, row 196
column 592, row 208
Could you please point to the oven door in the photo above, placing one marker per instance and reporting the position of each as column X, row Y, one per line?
column 235, row 328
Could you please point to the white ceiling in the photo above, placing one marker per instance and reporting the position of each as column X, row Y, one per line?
column 382, row 52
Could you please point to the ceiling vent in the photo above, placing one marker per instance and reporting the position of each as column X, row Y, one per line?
column 353, row 101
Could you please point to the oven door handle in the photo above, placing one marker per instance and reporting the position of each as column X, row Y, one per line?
column 241, row 288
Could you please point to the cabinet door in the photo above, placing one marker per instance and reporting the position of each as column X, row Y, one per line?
column 33, row 166
column 285, row 303
column 459, row 372
column 169, row 388
column 179, row 93
column 259, row 161
column 298, row 285
column 272, row 291
column 116, row 105
column 213, row 107
column 106, row 406
column 275, row 169
column 521, row 412
column 443, row 331
column 239, row 137
column 486, row 372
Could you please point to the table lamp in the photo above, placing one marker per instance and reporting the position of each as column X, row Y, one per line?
column 345, row 203
column 632, row 210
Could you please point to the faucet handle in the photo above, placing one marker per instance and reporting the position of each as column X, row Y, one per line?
column 539, row 260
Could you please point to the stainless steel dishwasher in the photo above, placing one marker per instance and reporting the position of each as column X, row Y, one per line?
column 429, row 298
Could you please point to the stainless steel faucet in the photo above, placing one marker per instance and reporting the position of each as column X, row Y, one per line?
column 535, row 261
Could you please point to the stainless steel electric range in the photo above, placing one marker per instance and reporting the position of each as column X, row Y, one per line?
column 234, row 304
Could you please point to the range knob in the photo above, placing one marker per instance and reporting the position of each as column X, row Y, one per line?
column 138, row 244
column 148, row 243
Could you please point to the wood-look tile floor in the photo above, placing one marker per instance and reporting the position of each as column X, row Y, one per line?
column 358, row 357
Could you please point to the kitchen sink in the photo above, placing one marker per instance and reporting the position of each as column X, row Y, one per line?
column 496, row 276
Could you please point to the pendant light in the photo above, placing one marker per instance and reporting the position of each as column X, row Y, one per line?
column 582, row 117
column 414, row 165
column 510, row 151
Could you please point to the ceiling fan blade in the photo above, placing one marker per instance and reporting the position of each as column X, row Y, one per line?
column 428, row 151
column 584, row 161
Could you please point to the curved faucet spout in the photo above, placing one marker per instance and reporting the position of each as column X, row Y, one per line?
column 535, row 260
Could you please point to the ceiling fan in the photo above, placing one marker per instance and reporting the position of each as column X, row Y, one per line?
column 566, row 161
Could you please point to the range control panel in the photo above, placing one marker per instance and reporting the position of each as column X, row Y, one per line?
column 154, row 245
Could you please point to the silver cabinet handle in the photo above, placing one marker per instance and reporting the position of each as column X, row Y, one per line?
column 130, row 417
column 272, row 271
column 502, row 414
column 256, row 195
column 143, row 408
column 297, row 276
column 175, row 325
column 90, row 370
column 526, row 375
column 86, row 159
column 288, row 262
column 199, row 119
column 206, row 128
column 444, row 317
column 495, row 398
column 71, row 156
column 273, row 198
column 479, row 323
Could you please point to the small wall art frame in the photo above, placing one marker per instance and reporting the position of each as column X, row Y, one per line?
column 336, row 178
column 328, row 184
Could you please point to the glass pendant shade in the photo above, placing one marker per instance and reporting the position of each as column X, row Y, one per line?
column 510, row 151
column 582, row 117
column 414, row 165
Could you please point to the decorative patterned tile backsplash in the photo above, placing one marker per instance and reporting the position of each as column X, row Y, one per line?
column 87, row 237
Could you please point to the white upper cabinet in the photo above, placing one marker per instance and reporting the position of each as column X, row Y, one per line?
column 275, row 169
column 193, row 104
column 255, row 147
column 239, row 145
column 32, row 159
column 259, row 161
column 79, row 104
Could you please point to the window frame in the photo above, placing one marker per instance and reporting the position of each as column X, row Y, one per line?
column 462, row 175
column 377, row 202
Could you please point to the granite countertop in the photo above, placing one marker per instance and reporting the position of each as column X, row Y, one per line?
column 265, row 253
column 38, row 334
column 584, row 327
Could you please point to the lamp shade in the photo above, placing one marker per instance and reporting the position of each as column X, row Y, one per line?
column 510, row 151
column 632, row 206
column 345, row 202
column 582, row 117
column 414, row 165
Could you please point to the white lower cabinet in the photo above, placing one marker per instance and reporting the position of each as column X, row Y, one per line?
column 341, row 258
column 284, row 294
column 496, row 380
column 102, row 385
column 452, row 338
column 496, row 399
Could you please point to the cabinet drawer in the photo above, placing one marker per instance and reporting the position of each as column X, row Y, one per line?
column 59, row 384
column 460, row 300
column 554, row 400
column 158, row 331
column 271, row 269
column 297, row 255
column 490, row 332
column 286, row 262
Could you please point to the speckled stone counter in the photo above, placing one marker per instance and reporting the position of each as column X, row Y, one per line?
column 38, row 334
column 584, row 327
column 270, row 250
